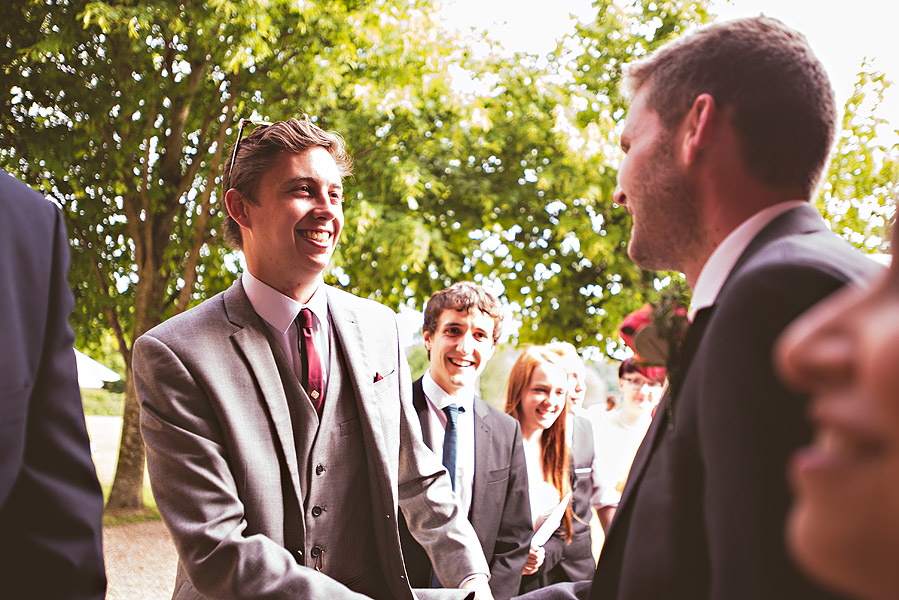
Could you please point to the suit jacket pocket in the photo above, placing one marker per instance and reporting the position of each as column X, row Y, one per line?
column 498, row 475
column 351, row 426
column 388, row 382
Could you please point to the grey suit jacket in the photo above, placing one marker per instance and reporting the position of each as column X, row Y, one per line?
column 500, row 510
column 223, row 465
column 703, row 510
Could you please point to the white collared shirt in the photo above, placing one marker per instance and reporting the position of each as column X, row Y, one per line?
column 719, row 264
column 280, row 312
column 438, row 399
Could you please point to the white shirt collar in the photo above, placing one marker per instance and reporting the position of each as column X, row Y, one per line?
column 278, row 310
column 437, row 396
column 719, row 264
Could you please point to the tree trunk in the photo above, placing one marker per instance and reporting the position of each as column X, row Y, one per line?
column 127, row 487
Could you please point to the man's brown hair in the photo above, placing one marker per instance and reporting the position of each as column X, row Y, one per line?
column 463, row 296
column 257, row 150
column 762, row 74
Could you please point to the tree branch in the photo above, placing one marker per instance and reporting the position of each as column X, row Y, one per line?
column 204, row 215
column 103, row 286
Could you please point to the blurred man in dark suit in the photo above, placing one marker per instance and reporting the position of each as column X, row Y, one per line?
column 50, row 500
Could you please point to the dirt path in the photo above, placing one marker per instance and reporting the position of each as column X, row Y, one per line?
column 140, row 561
column 140, row 557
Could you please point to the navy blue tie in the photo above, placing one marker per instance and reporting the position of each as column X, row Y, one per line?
column 450, row 443
column 451, row 440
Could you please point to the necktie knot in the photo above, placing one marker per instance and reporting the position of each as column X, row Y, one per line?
column 304, row 319
column 452, row 413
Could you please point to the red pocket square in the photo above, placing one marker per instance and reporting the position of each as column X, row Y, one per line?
column 379, row 377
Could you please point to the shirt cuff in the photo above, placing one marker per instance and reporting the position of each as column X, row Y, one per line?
column 486, row 577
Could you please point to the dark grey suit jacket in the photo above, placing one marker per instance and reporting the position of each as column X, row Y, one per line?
column 702, row 514
column 500, row 509
column 50, row 499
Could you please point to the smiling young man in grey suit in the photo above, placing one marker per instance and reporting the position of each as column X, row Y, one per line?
column 462, row 325
column 277, row 415
column 728, row 133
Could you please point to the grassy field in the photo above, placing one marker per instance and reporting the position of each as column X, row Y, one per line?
column 102, row 402
column 151, row 513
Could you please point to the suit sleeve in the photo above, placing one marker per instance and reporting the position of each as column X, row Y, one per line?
column 554, row 549
column 427, row 500
column 197, row 495
column 51, row 519
column 513, row 539
column 750, row 424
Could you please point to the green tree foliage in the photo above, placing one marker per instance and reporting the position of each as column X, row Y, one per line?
column 122, row 111
column 861, row 186
column 512, row 188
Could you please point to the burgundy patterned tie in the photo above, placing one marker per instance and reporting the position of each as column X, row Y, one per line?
column 312, row 365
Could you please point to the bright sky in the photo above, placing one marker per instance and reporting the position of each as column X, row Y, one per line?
column 843, row 34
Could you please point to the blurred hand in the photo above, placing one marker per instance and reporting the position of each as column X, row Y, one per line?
column 535, row 560
column 480, row 587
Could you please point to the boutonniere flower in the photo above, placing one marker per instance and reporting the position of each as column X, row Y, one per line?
column 655, row 333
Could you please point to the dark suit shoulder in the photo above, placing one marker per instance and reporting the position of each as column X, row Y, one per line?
column 30, row 227
column 22, row 203
column 582, row 426
column 582, row 447
column 820, row 251
column 495, row 415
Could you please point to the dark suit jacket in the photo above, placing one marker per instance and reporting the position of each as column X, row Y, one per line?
column 50, row 499
column 702, row 514
column 572, row 562
column 500, row 509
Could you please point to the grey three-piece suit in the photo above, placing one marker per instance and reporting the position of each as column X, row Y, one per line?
column 261, row 500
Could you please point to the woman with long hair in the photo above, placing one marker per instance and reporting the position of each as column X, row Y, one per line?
column 559, row 462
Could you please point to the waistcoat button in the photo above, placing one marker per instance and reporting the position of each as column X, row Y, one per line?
column 316, row 511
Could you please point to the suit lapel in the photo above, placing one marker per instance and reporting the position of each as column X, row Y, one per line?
column 482, row 466
column 663, row 419
column 348, row 333
column 252, row 341
column 421, row 409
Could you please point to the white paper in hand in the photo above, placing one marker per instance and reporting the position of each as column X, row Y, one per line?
column 552, row 522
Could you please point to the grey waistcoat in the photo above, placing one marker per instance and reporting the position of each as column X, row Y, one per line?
column 335, row 535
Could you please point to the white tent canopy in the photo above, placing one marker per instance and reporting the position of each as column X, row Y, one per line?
column 92, row 374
